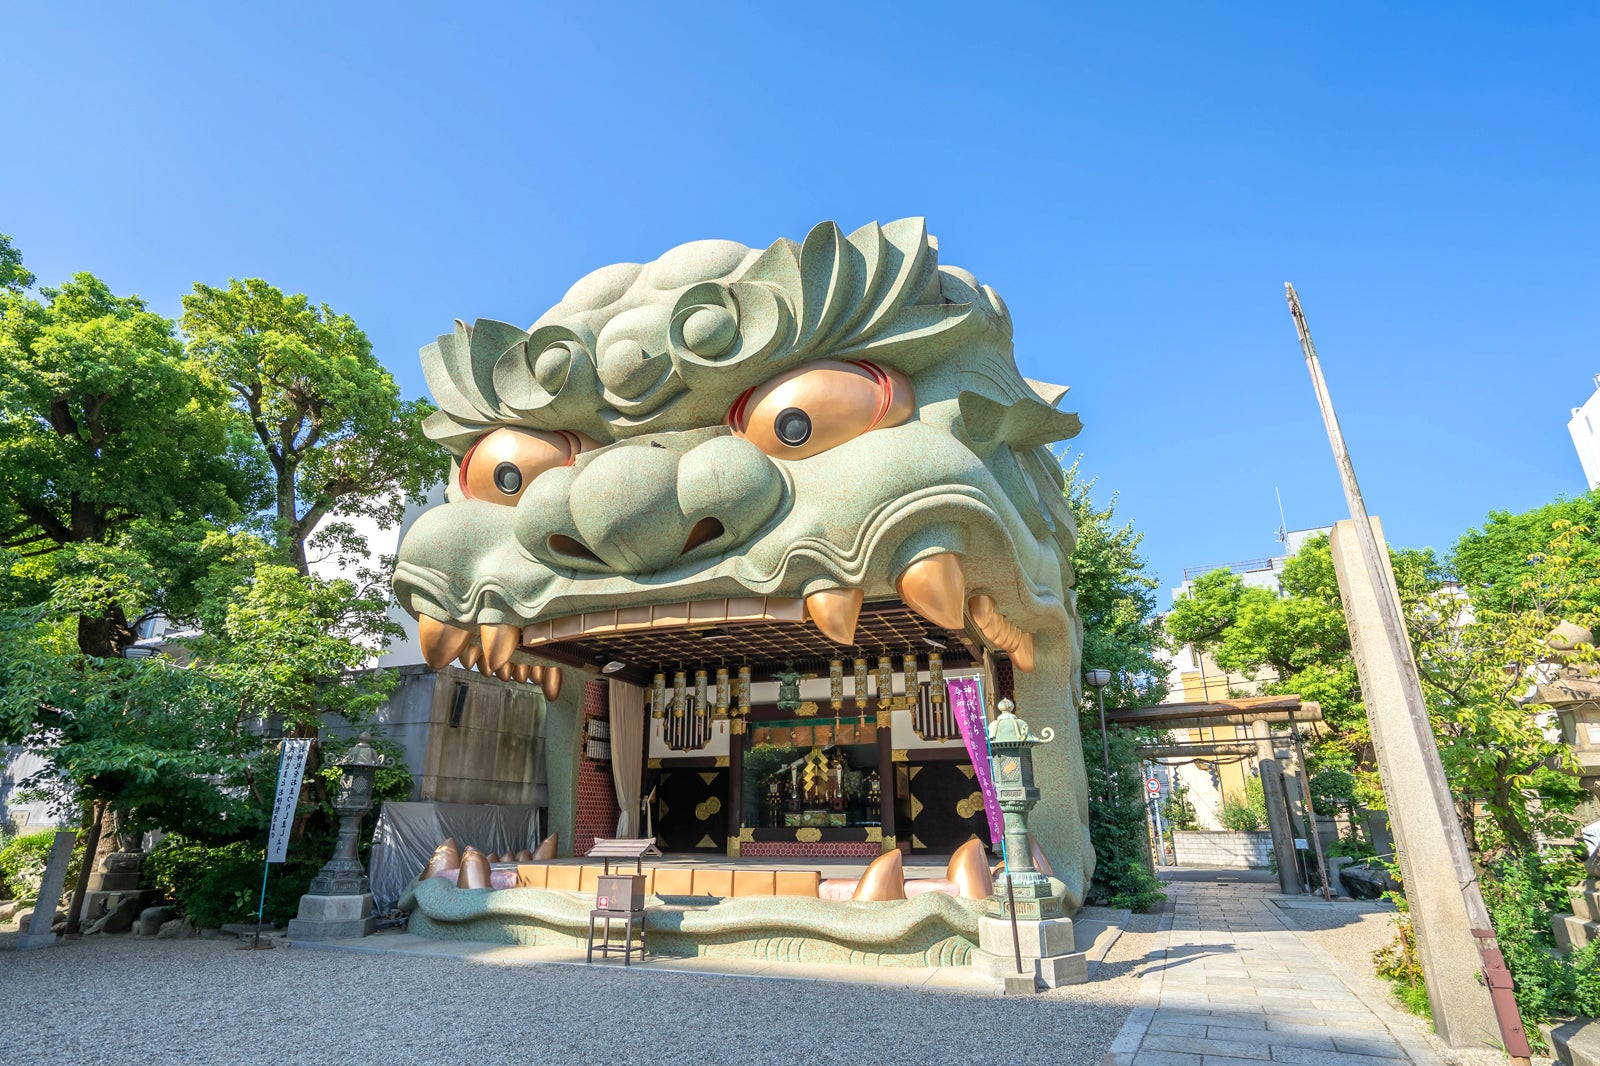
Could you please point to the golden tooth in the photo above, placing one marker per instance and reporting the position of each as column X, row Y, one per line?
column 504, row 673
column 474, row 869
column 536, row 675
column 1022, row 657
column 835, row 611
column 551, row 683
column 981, row 607
column 936, row 588
column 470, row 655
column 1040, row 863
column 440, row 641
column 969, row 869
column 499, row 641
column 884, row 879
column 520, row 671
column 547, row 848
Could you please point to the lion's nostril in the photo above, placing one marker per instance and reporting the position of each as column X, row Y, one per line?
column 704, row 532
column 562, row 544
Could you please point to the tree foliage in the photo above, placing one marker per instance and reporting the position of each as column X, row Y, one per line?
column 104, row 424
column 1495, row 560
column 321, row 410
column 1116, row 599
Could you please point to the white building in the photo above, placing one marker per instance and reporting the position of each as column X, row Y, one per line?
column 1585, row 429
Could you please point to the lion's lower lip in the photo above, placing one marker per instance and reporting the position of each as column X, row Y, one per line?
column 733, row 610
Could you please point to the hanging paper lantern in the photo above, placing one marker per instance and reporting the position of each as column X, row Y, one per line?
column 658, row 696
column 679, row 683
column 935, row 677
column 722, row 692
column 908, row 666
column 836, row 684
column 861, row 684
column 700, row 704
column 743, row 697
column 885, row 681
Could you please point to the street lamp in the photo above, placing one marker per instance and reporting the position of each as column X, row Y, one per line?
column 1098, row 680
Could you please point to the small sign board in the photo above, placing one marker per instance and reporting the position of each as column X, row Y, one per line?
column 1301, row 844
column 1153, row 786
column 291, row 770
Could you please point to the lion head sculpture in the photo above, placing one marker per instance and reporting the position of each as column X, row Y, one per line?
column 800, row 429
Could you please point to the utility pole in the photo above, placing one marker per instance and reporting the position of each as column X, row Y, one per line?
column 1453, row 933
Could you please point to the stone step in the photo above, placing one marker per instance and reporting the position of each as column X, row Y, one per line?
column 1586, row 901
column 1571, row 931
column 1575, row 1043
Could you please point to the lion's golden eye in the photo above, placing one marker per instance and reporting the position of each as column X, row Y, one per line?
column 820, row 406
column 502, row 464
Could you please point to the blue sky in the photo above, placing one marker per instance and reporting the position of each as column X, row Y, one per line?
column 1136, row 180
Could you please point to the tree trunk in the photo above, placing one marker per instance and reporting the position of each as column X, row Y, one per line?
column 293, row 542
column 105, row 636
column 90, row 847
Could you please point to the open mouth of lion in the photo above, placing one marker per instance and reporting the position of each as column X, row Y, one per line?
column 933, row 612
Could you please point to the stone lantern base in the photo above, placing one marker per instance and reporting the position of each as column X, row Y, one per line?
column 1049, row 955
column 333, row 918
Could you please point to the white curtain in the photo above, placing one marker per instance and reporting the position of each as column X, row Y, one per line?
column 627, row 753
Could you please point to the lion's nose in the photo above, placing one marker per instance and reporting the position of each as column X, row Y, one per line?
column 640, row 507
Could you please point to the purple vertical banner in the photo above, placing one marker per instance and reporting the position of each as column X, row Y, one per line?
column 966, row 703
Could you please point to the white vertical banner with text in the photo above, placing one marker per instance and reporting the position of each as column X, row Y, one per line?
column 291, row 769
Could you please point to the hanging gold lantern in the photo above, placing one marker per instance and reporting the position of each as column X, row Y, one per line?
column 861, row 684
column 700, row 703
column 658, row 696
column 908, row 666
column 678, row 685
column 722, row 693
column 836, row 684
column 743, row 696
column 885, row 682
column 935, row 677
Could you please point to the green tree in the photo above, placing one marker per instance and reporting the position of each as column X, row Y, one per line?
column 104, row 425
column 1296, row 642
column 1479, row 653
column 1495, row 560
column 322, row 411
column 14, row 277
column 1116, row 599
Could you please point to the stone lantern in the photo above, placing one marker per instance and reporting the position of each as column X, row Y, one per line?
column 1024, row 938
column 1011, row 745
column 340, row 903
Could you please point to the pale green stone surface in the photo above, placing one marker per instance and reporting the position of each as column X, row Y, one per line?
column 931, row 930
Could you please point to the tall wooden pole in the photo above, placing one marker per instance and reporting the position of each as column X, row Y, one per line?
column 1449, row 917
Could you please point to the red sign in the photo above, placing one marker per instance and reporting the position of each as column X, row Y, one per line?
column 1153, row 786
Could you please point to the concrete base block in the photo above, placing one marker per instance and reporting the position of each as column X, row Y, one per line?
column 1038, row 939
column 28, row 941
column 1052, row 971
column 333, row 918
column 1015, row 984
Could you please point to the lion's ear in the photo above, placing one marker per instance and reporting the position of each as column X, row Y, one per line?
column 1025, row 423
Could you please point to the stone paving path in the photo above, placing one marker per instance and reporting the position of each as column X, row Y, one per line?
column 1237, row 986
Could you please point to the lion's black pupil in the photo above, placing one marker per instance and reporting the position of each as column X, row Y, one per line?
column 507, row 478
column 793, row 426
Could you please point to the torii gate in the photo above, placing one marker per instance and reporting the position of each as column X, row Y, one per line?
column 1258, row 714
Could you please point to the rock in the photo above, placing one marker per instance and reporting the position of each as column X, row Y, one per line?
column 25, row 917
column 119, row 920
column 152, row 918
column 176, row 929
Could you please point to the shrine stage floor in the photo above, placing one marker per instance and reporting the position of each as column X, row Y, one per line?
column 922, row 866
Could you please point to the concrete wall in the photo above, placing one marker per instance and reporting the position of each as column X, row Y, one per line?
column 1242, row 850
column 494, row 752
column 16, row 766
column 564, row 742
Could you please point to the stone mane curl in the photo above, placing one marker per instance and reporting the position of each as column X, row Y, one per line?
column 668, row 346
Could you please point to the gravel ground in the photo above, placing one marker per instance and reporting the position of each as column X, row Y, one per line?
column 1351, row 939
column 119, row 999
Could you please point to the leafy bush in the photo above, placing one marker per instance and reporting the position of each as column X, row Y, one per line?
column 22, row 863
column 1398, row 963
column 1247, row 815
column 1178, row 810
column 218, row 883
column 1117, row 824
column 1523, row 893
